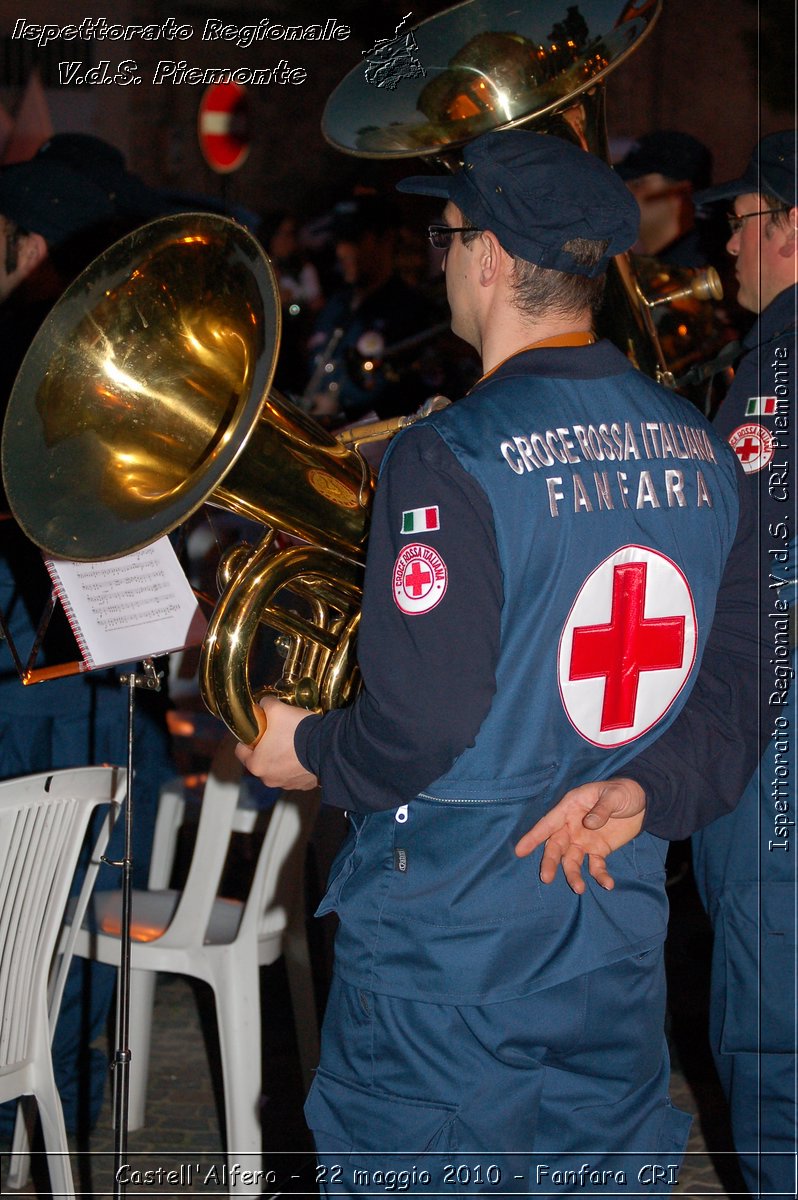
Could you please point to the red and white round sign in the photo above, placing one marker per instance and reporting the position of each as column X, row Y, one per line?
column 753, row 445
column 627, row 647
column 420, row 579
column 223, row 126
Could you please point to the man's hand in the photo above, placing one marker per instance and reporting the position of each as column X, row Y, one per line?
column 272, row 758
column 591, row 820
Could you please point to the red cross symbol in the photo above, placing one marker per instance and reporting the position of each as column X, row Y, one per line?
column 748, row 449
column 417, row 579
column 627, row 646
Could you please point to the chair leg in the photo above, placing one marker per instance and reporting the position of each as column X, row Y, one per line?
column 55, row 1138
column 237, row 994
column 19, row 1164
column 142, row 998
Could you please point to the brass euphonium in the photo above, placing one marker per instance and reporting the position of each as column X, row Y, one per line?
column 146, row 393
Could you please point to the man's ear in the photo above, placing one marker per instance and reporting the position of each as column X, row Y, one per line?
column 789, row 244
column 31, row 253
column 490, row 257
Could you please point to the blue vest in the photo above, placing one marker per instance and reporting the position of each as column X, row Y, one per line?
column 614, row 507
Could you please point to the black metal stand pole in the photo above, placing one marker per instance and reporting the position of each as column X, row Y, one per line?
column 121, row 1060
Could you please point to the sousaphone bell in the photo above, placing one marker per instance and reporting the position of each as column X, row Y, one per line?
column 498, row 64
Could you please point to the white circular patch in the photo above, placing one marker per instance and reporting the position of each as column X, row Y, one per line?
column 627, row 647
column 419, row 579
column 753, row 445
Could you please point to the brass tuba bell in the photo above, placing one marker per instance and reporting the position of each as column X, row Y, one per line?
column 146, row 393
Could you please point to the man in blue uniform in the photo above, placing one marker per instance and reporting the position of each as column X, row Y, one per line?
column 541, row 579
column 745, row 861
column 745, row 864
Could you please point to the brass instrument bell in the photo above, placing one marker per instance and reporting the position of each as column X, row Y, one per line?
column 482, row 65
column 494, row 64
column 142, row 390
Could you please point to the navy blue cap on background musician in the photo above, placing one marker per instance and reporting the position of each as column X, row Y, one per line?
column 663, row 170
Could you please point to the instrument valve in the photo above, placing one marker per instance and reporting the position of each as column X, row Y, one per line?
column 283, row 644
column 306, row 693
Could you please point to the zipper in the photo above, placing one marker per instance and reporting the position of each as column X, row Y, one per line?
column 461, row 800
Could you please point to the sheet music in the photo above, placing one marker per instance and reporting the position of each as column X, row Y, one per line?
column 128, row 608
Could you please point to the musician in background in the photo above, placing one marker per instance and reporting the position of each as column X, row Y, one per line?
column 58, row 211
column 301, row 297
column 353, row 368
column 745, row 861
column 663, row 170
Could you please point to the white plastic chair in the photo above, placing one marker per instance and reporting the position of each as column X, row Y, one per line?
column 220, row 941
column 43, row 820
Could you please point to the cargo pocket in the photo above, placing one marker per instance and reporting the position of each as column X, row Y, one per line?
column 649, row 1155
column 657, row 1174
column 753, row 965
column 368, row 1140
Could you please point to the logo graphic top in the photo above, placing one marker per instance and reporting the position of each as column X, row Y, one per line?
column 627, row 647
column 392, row 59
column 419, row 579
column 333, row 489
column 753, row 445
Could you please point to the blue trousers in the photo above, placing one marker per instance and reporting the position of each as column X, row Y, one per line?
column 508, row 1097
column 752, row 1023
column 745, row 871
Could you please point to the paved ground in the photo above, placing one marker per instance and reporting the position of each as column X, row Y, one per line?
column 182, row 1133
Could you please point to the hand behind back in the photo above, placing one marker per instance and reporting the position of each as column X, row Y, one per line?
column 591, row 820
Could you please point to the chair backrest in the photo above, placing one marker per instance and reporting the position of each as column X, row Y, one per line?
column 43, row 820
column 220, row 799
column 279, row 869
column 279, row 874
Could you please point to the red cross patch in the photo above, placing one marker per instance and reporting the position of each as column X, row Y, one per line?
column 753, row 445
column 627, row 647
column 419, row 579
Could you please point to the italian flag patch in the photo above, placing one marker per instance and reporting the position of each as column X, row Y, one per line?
column 760, row 406
column 420, row 520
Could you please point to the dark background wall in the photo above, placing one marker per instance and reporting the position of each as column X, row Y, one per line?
column 719, row 69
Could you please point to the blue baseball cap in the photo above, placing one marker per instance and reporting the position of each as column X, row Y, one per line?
column 668, row 152
column 771, row 168
column 49, row 196
column 536, row 192
column 74, row 183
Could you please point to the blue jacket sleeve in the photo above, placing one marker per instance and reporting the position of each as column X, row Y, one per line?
column 428, row 675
